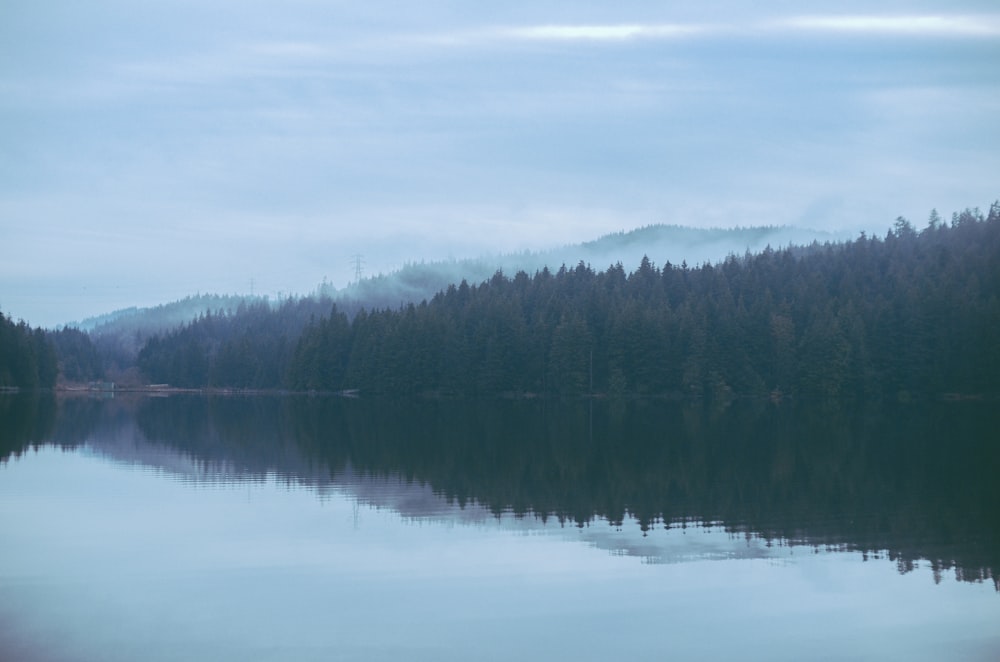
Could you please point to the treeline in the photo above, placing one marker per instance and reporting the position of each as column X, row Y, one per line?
column 914, row 313
column 249, row 348
column 27, row 356
column 33, row 358
column 119, row 336
column 79, row 358
column 909, row 315
column 418, row 281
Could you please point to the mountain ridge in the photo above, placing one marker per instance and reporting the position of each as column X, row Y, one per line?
column 416, row 281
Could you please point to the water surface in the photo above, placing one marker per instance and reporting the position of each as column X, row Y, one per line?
column 313, row 528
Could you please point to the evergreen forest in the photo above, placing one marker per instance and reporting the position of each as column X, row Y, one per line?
column 27, row 356
column 909, row 315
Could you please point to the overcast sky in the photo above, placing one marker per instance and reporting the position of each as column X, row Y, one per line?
column 150, row 150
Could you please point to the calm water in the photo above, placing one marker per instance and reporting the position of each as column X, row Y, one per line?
column 328, row 529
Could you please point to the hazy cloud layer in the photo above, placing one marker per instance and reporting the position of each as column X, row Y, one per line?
column 153, row 150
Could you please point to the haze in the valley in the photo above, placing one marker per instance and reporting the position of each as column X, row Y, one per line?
column 154, row 151
column 420, row 281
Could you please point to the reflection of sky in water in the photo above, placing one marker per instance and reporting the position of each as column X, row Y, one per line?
column 416, row 503
column 108, row 561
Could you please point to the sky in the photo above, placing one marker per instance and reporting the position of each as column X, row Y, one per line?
column 153, row 150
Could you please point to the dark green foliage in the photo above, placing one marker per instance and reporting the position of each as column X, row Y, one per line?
column 27, row 357
column 418, row 281
column 250, row 348
column 320, row 357
column 908, row 315
column 79, row 360
column 120, row 335
column 911, row 315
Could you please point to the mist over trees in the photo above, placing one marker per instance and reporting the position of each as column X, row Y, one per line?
column 910, row 315
column 250, row 348
column 78, row 358
column 119, row 335
column 416, row 282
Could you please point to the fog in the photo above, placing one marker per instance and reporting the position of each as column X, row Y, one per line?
column 159, row 150
column 661, row 244
column 418, row 281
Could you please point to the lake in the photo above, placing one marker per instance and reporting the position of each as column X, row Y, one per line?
column 319, row 528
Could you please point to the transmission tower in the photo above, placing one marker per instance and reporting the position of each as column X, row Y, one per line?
column 358, row 261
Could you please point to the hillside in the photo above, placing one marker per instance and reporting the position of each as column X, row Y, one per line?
column 912, row 315
column 120, row 335
column 661, row 243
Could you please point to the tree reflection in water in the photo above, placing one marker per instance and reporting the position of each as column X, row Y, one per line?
column 913, row 483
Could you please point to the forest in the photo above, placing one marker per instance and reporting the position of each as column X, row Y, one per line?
column 909, row 315
column 27, row 356
column 120, row 334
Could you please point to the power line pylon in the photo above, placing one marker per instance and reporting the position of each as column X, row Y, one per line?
column 358, row 260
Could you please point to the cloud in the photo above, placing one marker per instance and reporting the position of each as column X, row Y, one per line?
column 930, row 26
column 318, row 59
column 275, row 147
column 902, row 25
column 601, row 32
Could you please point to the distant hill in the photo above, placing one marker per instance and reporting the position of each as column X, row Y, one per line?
column 166, row 315
column 673, row 243
column 120, row 334
column 660, row 243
